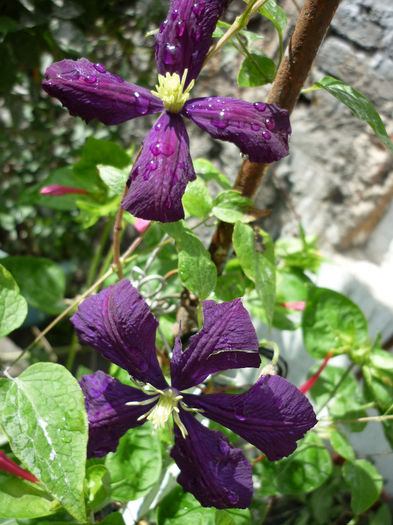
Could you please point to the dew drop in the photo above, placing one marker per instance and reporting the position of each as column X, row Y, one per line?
column 141, row 104
column 198, row 8
column 255, row 126
column 266, row 135
column 222, row 122
column 163, row 25
column 180, row 27
column 100, row 68
column 270, row 123
column 158, row 126
column 170, row 52
column 152, row 165
column 162, row 148
column 90, row 79
column 260, row 106
column 175, row 14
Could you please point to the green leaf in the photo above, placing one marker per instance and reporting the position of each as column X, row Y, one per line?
column 365, row 482
column 347, row 401
column 381, row 359
column 97, row 484
column 331, row 321
column 21, row 499
column 275, row 14
column 208, row 171
column 179, row 508
column 256, row 70
column 303, row 471
column 113, row 177
column 13, row 307
column 115, row 518
column 383, row 516
column 230, row 286
column 232, row 517
column 292, row 285
column 99, row 151
column 138, row 453
column 41, row 281
column 255, row 251
column 341, row 445
column 230, row 206
column 196, row 199
column 196, row 269
column 49, row 436
column 360, row 106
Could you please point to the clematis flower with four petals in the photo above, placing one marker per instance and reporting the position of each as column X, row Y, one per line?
column 272, row 415
column 164, row 167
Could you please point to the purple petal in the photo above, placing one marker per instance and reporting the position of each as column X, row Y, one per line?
column 185, row 36
column 272, row 415
column 160, row 175
column 109, row 416
column 215, row 472
column 227, row 340
column 118, row 323
column 259, row 130
column 87, row 90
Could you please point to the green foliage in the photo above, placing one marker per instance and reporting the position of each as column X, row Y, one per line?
column 255, row 251
column 138, row 453
column 332, row 322
column 302, row 472
column 207, row 171
column 341, row 445
column 230, row 206
column 256, row 70
column 41, row 281
column 179, row 508
column 365, row 483
column 196, row 199
column 49, row 435
column 97, row 486
column 196, row 269
column 13, row 307
column 360, row 106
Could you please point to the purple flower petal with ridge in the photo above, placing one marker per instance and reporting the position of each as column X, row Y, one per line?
column 227, row 340
column 272, row 415
column 118, row 323
column 160, row 174
column 87, row 90
column 185, row 36
column 109, row 416
column 259, row 130
column 214, row 471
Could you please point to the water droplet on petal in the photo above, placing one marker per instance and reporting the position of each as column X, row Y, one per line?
column 180, row 27
column 163, row 25
column 90, row 79
column 255, row 126
column 260, row 106
column 152, row 165
column 270, row 123
column 198, row 8
column 266, row 135
column 170, row 53
column 141, row 104
column 157, row 126
column 175, row 14
column 100, row 68
column 162, row 148
column 221, row 122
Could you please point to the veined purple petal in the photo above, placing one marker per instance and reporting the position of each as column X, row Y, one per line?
column 118, row 323
column 185, row 36
column 227, row 340
column 272, row 415
column 215, row 472
column 259, row 130
column 160, row 175
column 87, row 90
column 109, row 416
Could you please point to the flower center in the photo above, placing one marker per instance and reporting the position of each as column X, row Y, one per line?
column 170, row 90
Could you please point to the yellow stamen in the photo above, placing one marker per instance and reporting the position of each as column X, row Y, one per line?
column 170, row 90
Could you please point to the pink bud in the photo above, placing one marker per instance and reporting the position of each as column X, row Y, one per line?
column 8, row 465
column 313, row 379
column 141, row 224
column 57, row 190
column 297, row 305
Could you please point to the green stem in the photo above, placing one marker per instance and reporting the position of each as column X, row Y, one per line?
column 200, row 314
column 335, row 389
column 72, row 352
column 98, row 254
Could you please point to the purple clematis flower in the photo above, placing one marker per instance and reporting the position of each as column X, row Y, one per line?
column 160, row 174
column 272, row 415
